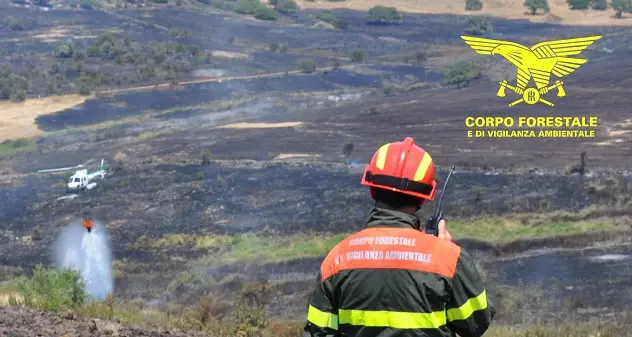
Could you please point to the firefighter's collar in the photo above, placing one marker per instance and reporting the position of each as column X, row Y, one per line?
column 382, row 217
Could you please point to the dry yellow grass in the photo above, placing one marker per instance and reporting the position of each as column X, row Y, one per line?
column 6, row 297
column 296, row 155
column 229, row 55
column 260, row 125
column 512, row 9
column 18, row 119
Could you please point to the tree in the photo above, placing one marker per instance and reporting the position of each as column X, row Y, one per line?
column 462, row 73
column 579, row 4
column 347, row 150
column 307, row 65
column 600, row 5
column 382, row 15
column 622, row 6
column 473, row 5
column 478, row 25
column 534, row 5
column 64, row 50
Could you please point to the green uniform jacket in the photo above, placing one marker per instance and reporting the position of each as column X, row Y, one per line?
column 391, row 279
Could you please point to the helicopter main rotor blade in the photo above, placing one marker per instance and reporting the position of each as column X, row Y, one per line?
column 87, row 162
column 59, row 169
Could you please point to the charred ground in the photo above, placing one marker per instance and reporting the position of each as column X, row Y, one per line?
column 271, row 200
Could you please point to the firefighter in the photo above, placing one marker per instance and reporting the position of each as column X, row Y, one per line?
column 392, row 279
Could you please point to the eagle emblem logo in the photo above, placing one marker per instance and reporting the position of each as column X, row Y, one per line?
column 537, row 63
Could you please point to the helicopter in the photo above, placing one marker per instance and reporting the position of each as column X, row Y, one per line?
column 81, row 179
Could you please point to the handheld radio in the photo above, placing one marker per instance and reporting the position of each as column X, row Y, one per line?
column 432, row 226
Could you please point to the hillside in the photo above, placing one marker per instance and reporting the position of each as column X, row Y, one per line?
column 559, row 10
column 235, row 133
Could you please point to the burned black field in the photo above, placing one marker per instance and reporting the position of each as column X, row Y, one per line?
column 272, row 198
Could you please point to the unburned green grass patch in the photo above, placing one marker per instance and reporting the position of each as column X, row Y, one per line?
column 270, row 248
column 10, row 147
column 524, row 227
column 225, row 249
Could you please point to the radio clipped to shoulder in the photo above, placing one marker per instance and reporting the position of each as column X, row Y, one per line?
column 432, row 225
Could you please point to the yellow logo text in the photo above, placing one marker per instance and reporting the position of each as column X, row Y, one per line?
column 531, row 127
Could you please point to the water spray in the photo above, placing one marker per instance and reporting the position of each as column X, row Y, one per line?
column 86, row 249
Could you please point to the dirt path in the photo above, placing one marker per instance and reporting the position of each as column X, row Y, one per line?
column 229, row 78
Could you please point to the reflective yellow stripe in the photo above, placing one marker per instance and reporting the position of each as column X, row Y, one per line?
column 398, row 320
column 466, row 310
column 381, row 156
column 423, row 167
column 322, row 319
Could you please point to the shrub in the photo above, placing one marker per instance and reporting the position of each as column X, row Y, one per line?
column 341, row 24
column 88, row 4
column 357, row 56
column 12, row 86
column 331, row 19
column 247, row 6
column 206, row 157
column 286, row 6
column 307, row 65
column 534, row 5
column 421, row 57
column 53, row 289
column 578, row 4
column 327, row 17
column 388, row 89
column 473, row 5
column 274, row 47
column 384, row 15
column 174, row 32
column 16, row 24
column 265, row 13
column 478, row 25
column 462, row 73
column 335, row 63
column 18, row 95
column 84, row 89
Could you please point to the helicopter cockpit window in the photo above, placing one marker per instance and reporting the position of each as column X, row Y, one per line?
column 76, row 180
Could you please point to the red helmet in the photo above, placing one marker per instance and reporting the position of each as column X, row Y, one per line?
column 402, row 167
